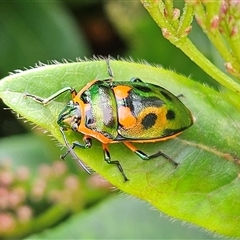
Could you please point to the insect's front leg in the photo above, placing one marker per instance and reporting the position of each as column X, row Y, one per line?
column 87, row 143
column 45, row 101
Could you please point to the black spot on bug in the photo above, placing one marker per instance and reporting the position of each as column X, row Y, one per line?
column 170, row 115
column 143, row 88
column 166, row 95
column 149, row 120
column 153, row 101
column 128, row 102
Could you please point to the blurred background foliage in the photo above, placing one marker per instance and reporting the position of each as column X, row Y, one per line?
column 39, row 192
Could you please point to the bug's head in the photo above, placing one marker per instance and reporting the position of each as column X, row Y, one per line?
column 70, row 117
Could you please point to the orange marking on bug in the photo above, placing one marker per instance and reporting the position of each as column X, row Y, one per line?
column 74, row 94
column 121, row 92
column 130, row 146
column 125, row 117
column 83, row 129
column 100, row 137
column 160, row 112
column 105, row 146
column 86, row 137
column 139, row 129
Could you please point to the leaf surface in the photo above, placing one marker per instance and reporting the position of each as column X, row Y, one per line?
column 203, row 189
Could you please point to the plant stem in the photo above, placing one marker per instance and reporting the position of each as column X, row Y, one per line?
column 156, row 10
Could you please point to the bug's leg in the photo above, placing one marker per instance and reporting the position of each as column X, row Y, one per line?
column 87, row 144
column 45, row 101
column 110, row 71
column 144, row 156
column 180, row 96
column 107, row 158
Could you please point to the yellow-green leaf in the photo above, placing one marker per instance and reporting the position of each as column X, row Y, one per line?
column 203, row 189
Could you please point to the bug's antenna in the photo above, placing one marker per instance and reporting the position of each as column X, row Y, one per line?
column 70, row 150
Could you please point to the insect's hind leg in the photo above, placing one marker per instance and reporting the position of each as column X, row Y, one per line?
column 107, row 158
column 144, row 156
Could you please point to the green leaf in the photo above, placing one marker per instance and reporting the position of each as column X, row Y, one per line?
column 14, row 148
column 157, row 9
column 34, row 31
column 121, row 217
column 204, row 189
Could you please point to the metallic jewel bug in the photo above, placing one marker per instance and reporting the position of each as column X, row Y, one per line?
column 119, row 111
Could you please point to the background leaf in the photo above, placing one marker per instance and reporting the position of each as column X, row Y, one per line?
column 36, row 31
column 202, row 190
column 119, row 214
column 13, row 148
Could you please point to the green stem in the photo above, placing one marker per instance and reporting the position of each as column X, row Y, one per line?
column 192, row 52
column 185, row 20
column 235, row 43
column 155, row 9
column 169, row 7
column 206, row 13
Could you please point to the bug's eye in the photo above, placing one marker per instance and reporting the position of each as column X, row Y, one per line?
column 70, row 116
